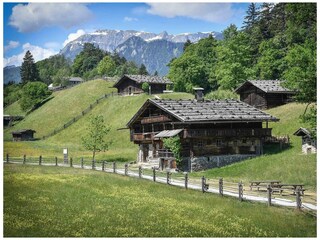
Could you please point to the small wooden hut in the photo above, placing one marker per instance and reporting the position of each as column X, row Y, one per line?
column 309, row 144
column 264, row 94
column 23, row 135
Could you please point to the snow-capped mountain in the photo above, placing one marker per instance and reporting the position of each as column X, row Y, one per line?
column 109, row 40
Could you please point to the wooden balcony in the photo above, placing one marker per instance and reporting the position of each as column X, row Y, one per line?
column 257, row 132
column 153, row 119
column 142, row 136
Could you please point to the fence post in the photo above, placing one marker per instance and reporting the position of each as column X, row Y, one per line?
column 56, row 161
column 186, row 180
column 269, row 191
column 154, row 173
column 114, row 167
column 168, row 177
column 71, row 162
column 203, row 184
column 240, row 191
column 103, row 162
column 221, row 186
column 81, row 162
column 7, row 158
column 126, row 169
column 140, row 171
column 24, row 159
column 40, row 160
column 298, row 197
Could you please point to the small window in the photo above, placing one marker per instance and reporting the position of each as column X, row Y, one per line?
column 200, row 144
column 244, row 140
column 219, row 142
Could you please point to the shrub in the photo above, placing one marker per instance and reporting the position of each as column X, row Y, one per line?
column 222, row 94
column 145, row 87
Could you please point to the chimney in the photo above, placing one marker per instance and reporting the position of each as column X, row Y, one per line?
column 198, row 94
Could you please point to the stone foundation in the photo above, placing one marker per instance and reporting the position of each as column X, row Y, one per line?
column 202, row 163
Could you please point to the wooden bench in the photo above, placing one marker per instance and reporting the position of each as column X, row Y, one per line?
column 263, row 184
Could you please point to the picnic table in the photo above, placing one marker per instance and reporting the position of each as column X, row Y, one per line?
column 263, row 184
column 280, row 187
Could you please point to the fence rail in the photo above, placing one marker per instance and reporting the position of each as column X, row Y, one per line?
column 296, row 198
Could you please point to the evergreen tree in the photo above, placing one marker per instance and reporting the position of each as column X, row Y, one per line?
column 143, row 70
column 28, row 70
column 251, row 18
column 87, row 59
column 186, row 44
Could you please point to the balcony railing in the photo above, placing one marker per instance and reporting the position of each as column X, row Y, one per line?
column 256, row 132
column 153, row 119
column 143, row 136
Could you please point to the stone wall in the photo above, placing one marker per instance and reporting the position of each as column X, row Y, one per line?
column 202, row 163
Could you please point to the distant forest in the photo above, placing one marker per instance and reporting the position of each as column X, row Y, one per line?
column 277, row 41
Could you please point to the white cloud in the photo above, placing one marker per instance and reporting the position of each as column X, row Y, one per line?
column 37, row 52
column 52, row 45
column 130, row 19
column 211, row 12
column 34, row 16
column 73, row 36
column 11, row 45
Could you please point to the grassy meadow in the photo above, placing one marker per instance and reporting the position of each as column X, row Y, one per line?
column 44, row 201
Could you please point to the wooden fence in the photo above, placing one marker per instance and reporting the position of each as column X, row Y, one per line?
column 180, row 179
column 84, row 112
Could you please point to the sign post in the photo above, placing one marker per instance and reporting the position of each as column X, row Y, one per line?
column 65, row 155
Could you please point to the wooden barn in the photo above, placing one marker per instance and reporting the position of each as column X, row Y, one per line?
column 75, row 80
column 23, row 135
column 132, row 84
column 309, row 144
column 214, row 132
column 264, row 94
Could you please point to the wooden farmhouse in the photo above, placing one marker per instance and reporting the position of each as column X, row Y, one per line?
column 264, row 94
column 23, row 135
column 309, row 144
column 132, row 84
column 213, row 133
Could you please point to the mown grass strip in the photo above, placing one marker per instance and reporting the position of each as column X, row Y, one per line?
column 68, row 202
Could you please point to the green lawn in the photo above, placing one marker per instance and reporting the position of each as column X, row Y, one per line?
column 44, row 201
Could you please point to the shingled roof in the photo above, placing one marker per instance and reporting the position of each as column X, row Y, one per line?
column 191, row 111
column 144, row 78
column 268, row 86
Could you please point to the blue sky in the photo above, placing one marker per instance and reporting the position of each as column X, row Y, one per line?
column 44, row 28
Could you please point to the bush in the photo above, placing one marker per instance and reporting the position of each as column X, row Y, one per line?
column 33, row 93
column 222, row 94
column 145, row 87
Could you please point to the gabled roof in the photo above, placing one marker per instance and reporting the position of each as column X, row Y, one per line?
column 76, row 79
column 144, row 78
column 267, row 86
column 191, row 111
column 302, row 132
column 23, row 131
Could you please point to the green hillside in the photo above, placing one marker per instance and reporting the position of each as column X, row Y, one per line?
column 63, row 107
